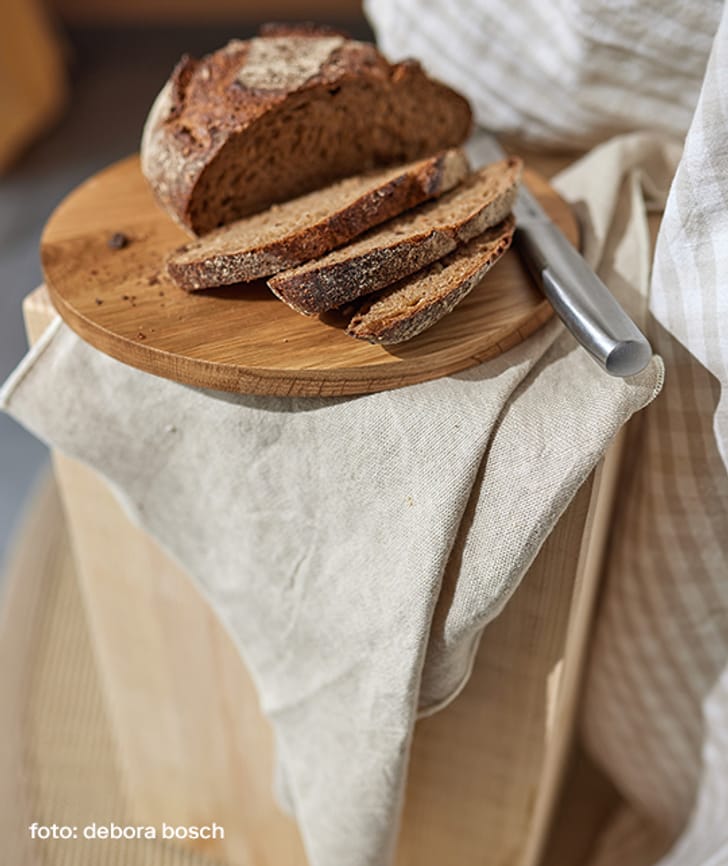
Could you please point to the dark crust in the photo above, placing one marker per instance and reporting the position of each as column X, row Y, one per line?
column 375, row 206
column 410, row 323
column 180, row 78
column 204, row 108
column 311, row 291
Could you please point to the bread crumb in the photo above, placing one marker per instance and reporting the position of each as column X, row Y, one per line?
column 118, row 241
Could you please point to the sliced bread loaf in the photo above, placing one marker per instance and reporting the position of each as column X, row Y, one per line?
column 305, row 228
column 410, row 306
column 403, row 245
column 271, row 118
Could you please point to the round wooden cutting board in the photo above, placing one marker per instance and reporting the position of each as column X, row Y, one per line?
column 241, row 338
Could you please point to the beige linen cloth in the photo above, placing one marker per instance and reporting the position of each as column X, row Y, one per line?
column 656, row 711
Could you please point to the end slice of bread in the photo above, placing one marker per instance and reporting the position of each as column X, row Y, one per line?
column 307, row 227
column 265, row 120
column 403, row 245
column 412, row 305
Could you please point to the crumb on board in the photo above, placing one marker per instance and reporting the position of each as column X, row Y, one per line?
column 98, row 301
column 117, row 241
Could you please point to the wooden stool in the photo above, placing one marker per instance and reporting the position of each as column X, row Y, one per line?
column 485, row 772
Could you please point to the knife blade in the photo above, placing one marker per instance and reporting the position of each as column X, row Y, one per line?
column 579, row 297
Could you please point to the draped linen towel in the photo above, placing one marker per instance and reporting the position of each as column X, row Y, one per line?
column 322, row 530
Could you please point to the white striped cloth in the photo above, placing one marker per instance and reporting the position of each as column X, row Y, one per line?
column 574, row 73
column 569, row 72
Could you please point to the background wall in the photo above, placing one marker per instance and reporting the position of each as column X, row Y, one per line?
column 204, row 11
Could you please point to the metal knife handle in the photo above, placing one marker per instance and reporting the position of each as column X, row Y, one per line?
column 581, row 300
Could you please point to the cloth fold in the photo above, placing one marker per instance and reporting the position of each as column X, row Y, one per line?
column 321, row 530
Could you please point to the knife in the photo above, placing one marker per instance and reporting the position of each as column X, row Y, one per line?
column 581, row 300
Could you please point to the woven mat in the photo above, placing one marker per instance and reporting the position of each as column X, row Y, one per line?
column 57, row 758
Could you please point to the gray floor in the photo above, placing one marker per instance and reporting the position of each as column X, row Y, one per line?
column 115, row 75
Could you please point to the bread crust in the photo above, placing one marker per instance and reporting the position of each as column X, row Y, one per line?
column 402, row 246
column 472, row 261
column 220, row 123
column 236, row 253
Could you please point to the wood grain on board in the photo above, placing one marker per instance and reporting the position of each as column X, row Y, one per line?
column 241, row 338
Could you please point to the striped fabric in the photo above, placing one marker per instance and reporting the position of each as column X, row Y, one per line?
column 573, row 73
column 657, row 703
column 567, row 72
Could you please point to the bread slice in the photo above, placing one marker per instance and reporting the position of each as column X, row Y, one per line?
column 271, row 118
column 307, row 227
column 410, row 306
column 403, row 245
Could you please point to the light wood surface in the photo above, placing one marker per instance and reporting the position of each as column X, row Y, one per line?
column 31, row 558
column 58, row 759
column 241, row 338
column 587, row 803
column 485, row 773
column 567, row 676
